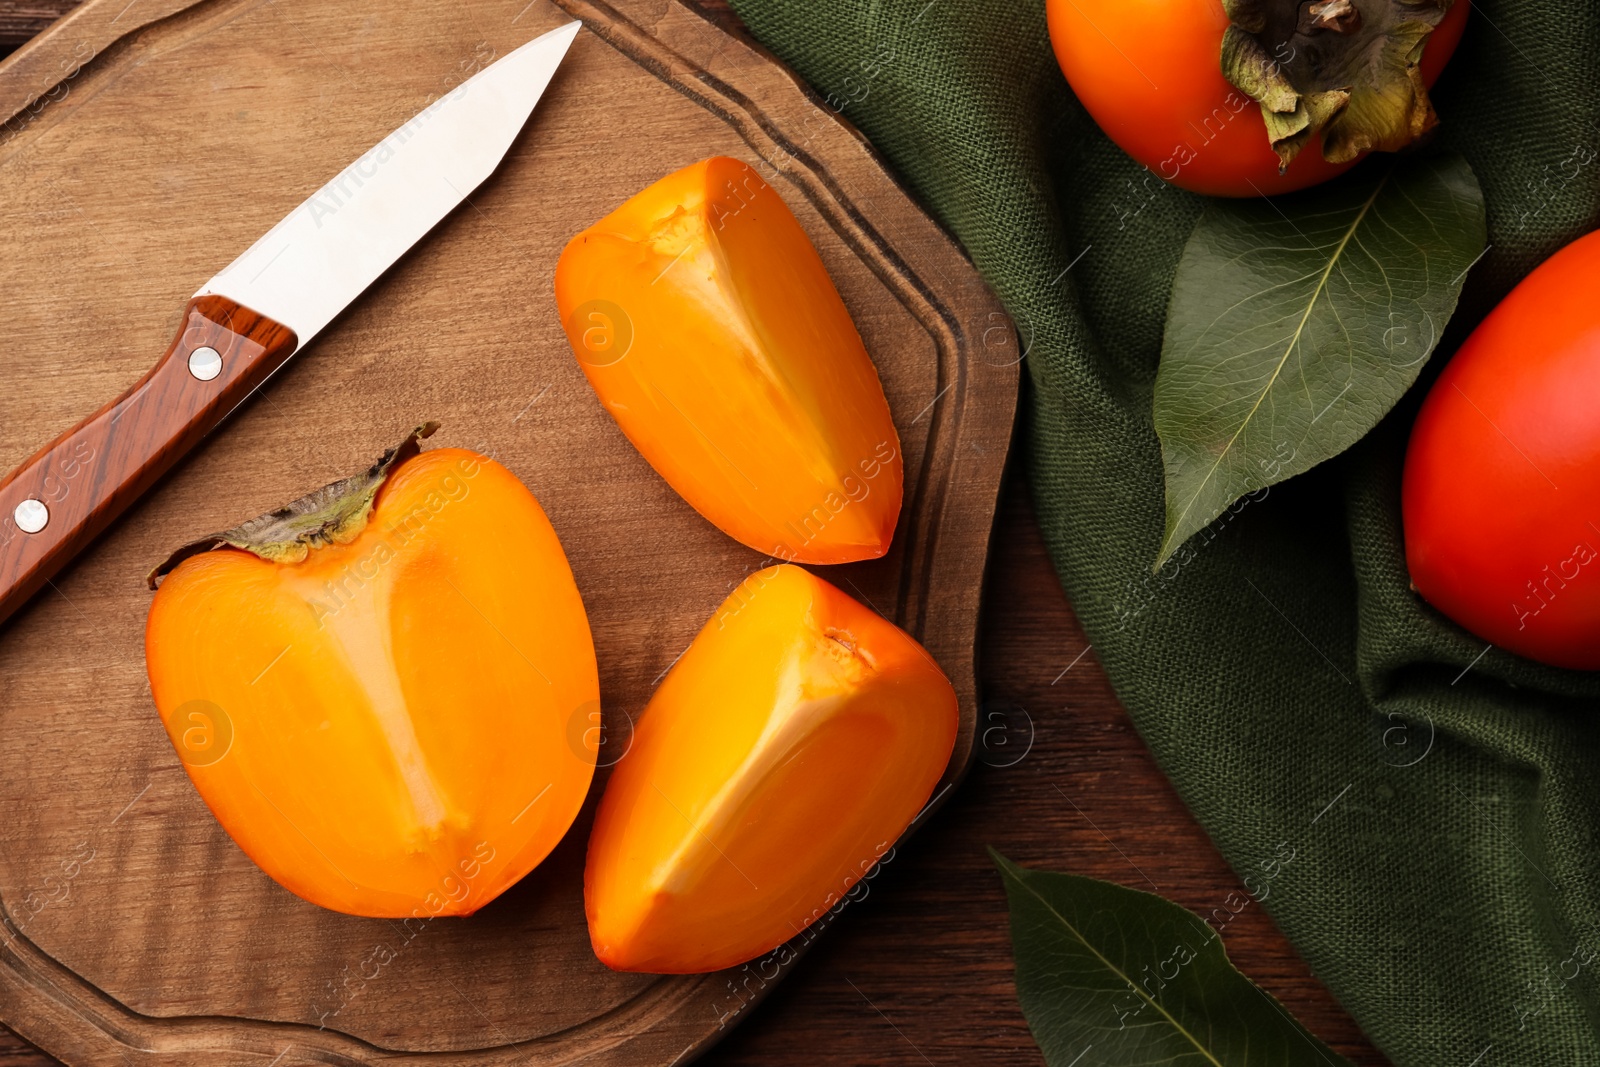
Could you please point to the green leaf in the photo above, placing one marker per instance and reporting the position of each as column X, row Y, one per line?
column 1140, row 981
column 1296, row 323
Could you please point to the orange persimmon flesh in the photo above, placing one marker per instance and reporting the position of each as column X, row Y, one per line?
column 394, row 726
column 789, row 747
column 710, row 329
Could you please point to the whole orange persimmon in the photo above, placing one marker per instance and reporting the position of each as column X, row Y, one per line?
column 384, row 692
column 1503, row 470
column 1150, row 72
column 709, row 328
column 775, row 767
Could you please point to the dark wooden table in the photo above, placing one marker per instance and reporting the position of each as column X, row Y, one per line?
column 919, row 971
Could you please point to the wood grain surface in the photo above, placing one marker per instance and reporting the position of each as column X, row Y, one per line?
column 920, row 972
column 22, row 19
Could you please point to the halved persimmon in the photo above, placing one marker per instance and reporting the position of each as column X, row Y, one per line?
column 789, row 747
column 710, row 329
column 383, row 692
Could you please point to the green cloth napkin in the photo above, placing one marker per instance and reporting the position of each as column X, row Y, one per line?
column 1440, row 800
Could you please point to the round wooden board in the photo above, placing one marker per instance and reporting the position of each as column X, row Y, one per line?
column 147, row 145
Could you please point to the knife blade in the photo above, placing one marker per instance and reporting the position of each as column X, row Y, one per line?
column 257, row 312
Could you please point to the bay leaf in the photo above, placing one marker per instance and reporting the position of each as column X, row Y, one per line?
column 1295, row 323
column 1116, row 976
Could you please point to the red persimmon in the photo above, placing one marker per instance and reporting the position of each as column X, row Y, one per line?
column 1501, row 497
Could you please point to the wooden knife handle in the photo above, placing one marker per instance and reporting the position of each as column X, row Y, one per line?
column 76, row 485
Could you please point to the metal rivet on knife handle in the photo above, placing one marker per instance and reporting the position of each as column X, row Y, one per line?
column 205, row 363
column 31, row 515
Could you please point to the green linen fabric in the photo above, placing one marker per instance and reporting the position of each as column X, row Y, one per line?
column 1439, row 799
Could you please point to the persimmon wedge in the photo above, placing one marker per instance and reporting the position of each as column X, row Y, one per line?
column 383, row 692
column 710, row 330
column 788, row 748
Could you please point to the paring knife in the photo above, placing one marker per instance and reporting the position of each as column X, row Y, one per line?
column 247, row 321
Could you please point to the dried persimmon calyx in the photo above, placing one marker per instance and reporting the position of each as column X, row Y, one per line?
column 1349, row 70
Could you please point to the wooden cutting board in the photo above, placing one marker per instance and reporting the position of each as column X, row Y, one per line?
column 147, row 144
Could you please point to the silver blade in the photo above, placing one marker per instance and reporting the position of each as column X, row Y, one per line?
column 325, row 252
